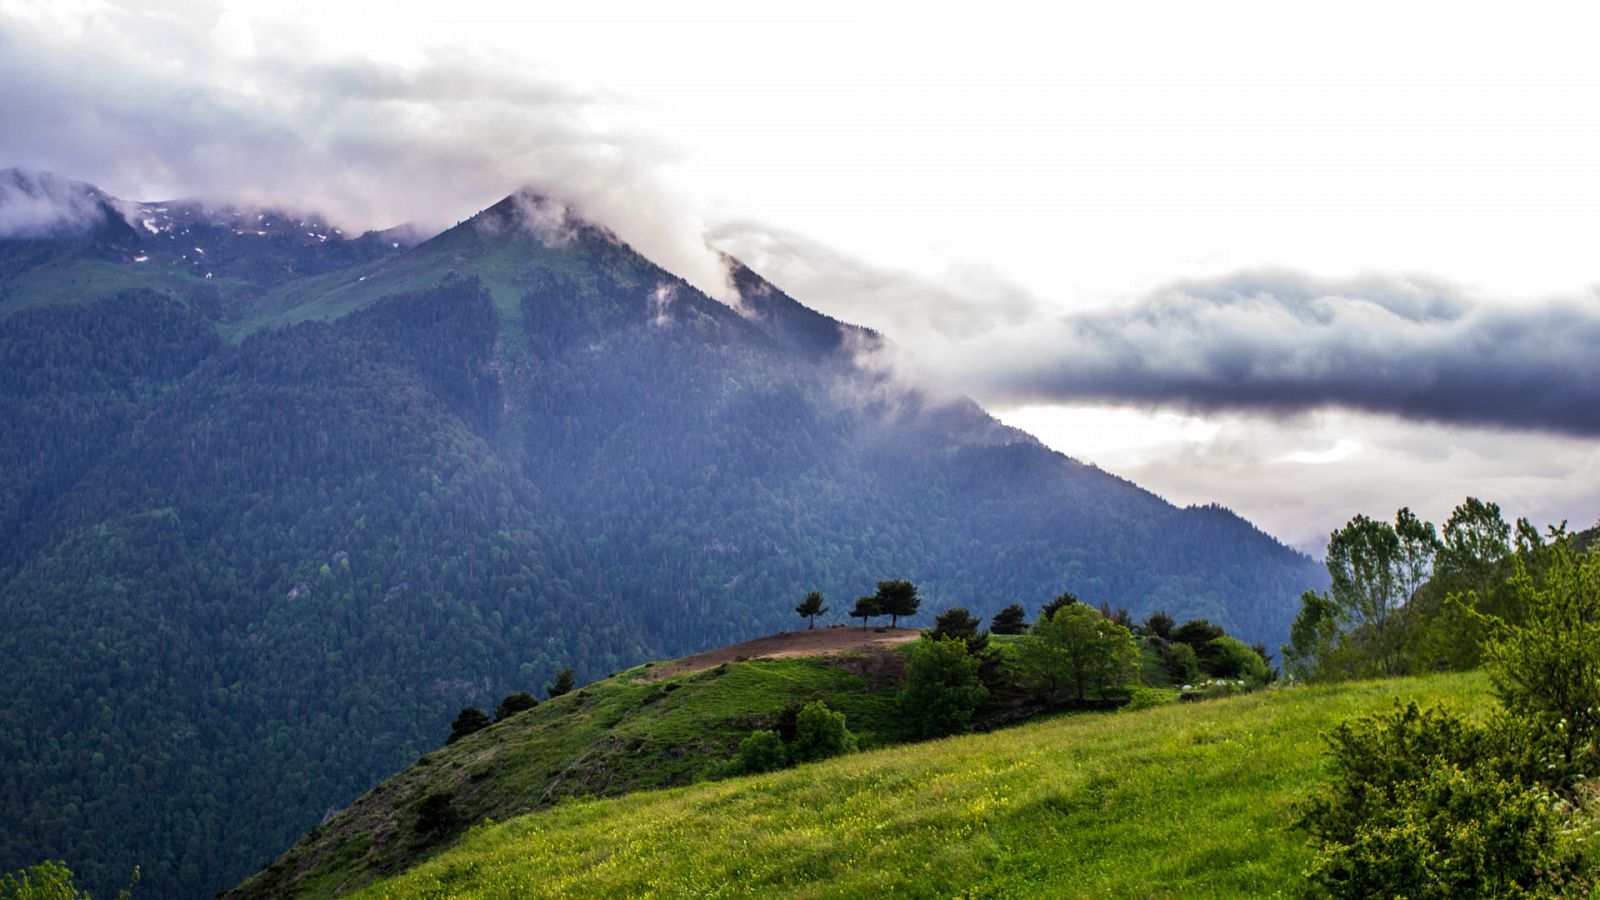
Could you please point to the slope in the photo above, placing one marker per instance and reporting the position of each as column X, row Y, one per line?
column 633, row 731
column 1187, row 800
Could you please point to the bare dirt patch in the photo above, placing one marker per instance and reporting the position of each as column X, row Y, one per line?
column 805, row 642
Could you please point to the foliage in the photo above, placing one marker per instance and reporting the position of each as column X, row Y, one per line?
column 1160, row 625
column 470, row 719
column 1011, row 620
column 562, row 684
column 942, row 687
column 1178, row 660
column 1546, row 668
column 896, row 598
column 437, row 814
column 819, row 733
column 51, row 880
column 762, row 751
column 866, row 607
column 1061, row 600
column 1232, row 659
column 811, row 607
column 1077, row 648
column 511, row 704
column 1062, row 804
column 1419, row 806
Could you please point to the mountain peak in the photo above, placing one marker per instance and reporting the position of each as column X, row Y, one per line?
column 39, row 204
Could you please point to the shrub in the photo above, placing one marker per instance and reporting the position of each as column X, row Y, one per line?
column 562, row 685
column 1178, row 661
column 762, row 751
column 1146, row 698
column 1422, row 806
column 942, row 688
column 436, row 814
column 512, row 704
column 1233, row 658
column 467, row 721
column 819, row 733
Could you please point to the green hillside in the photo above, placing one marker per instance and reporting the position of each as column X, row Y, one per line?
column 633, row 731
column 1186, row 800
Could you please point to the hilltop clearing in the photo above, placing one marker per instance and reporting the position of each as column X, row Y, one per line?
column 787, row 645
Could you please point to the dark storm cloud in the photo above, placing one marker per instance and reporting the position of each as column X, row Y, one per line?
column 1282, row 343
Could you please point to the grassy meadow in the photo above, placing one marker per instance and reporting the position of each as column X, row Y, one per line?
column 1191, row 800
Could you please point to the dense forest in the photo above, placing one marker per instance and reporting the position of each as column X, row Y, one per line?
column 262, row 535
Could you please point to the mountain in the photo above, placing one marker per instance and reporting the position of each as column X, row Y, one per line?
column 269, row 519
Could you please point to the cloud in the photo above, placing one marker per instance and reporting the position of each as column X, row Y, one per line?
column 153, row 104
column 37, row 204
column 1281, row 343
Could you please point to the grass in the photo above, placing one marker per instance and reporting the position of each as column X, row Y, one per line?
column 619, row 735
column 1191, row 800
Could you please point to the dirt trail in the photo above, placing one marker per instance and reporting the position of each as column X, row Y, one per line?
column 806, row 642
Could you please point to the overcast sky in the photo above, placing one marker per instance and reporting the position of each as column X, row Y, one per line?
column 1304, row 260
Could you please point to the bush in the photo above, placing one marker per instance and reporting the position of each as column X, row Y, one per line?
column 1232, row 658
column 436, row 815
column 819, row 733
column 1422, row 806
column 512, row 704
column 762, row 751
column 1178, row 661
column 467, row 721
column 1146, row 698
column 942, row 688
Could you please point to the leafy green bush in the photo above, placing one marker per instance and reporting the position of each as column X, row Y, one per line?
column 1424, row 805
column 1146, row 698
column 1233, row 658
column 45, row 881
column 942, row 688
column 762, row 751
column 819, row 733
column 1178, row 660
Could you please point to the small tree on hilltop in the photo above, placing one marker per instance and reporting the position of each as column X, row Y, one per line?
column 811, row 607
column 1011, row 620
column 866, row 608
column 512, row 704
column 467, row 721
column 562, row 685
column 897, row 598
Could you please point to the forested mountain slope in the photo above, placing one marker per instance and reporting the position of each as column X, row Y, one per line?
column 263, row 533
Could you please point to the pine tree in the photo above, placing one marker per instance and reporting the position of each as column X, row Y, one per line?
column 811, row 607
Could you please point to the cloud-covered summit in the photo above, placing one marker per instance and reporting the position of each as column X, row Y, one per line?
column 37, row 204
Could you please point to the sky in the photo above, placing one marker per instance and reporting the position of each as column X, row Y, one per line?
column 1304, row 260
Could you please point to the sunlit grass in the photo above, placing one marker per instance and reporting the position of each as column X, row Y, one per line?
column 1187, row 800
